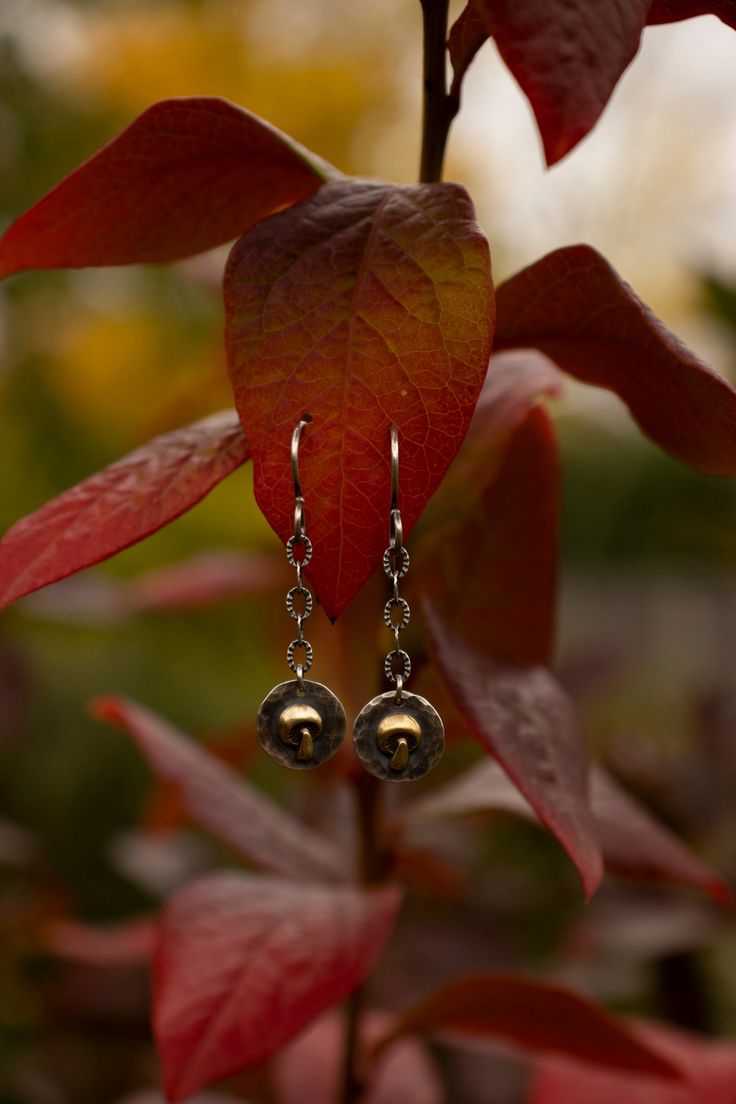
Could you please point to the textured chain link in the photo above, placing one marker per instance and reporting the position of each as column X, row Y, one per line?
column 396, row 612
column 299, row 596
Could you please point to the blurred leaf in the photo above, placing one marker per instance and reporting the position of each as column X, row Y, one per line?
column 574, row 307
column 523, row 718
column 185, row 176
column 243, row 964
column 364, row 305
column 710, row 1068
column 489, row 565
column 120, row 505
column 314, row 1063
column 213, row 578
column 222, row 802
column 128, row 943
column 537, row 1016
column 632, row 841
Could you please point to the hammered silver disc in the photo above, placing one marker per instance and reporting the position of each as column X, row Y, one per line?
column 421, row 758
column 315, row 696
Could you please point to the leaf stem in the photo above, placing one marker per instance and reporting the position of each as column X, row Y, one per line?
column 372, row 859
column 439, row 106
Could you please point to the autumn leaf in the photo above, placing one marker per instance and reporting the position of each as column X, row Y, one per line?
column 488, row 560
column 633, row 842
column 244, row 963
column 522, row 716
column 710, row 1066
column 188, row 174
column 575, row 308
column 365, row 304
column 537, row 1016
column 222, row 802
column 120, row 505
column 671, row 11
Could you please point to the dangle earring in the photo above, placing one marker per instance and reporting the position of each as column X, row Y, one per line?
column 398, row 736
column 300, row 723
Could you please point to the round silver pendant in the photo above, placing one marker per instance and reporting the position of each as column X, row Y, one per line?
column 300, row 728
column 398, row 741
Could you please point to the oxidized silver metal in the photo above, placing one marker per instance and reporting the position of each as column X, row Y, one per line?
column 388, row 666
column 388, row 611
column 319, row 732
column 302, row 540
column 386, row 762
column 391, row 565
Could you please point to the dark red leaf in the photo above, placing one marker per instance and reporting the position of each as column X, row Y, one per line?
column 490, row 567
column 568, row 56
column 537, row 1016
column 120, row 505
column 467, row 35
column 216, row 797
column 523, row 717
column 710, row 1068
column 633, row 842
column 364, row 305
column 671, row 11
column 574, row 307
column 205, row 580
column 244, row 963
column 310, row 1068
column 187, row 175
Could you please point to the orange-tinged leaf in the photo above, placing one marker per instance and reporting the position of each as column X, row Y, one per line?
column 188, row 174
column 522, row 716
column 365, row 304
column 120, row 505
column 244, row 963
column 538, row 1016
column 575, row 308
column 222, row 802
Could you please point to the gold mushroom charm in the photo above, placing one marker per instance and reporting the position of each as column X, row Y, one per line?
column 397, row 736
column 299, row 725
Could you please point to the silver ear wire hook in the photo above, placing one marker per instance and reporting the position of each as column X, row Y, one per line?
column 396, row 530
column 298, row 497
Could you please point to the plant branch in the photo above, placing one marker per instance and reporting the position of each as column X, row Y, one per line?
column 439, row 106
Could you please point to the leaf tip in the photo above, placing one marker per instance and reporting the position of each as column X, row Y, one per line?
column 106, row 708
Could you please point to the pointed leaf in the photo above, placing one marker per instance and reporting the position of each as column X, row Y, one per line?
column 567, row 56
column 671, row 11
column 243, row 964
column 710, row 1067
column 574, row 307
column 364, row 305
column 537, row 1016
column 523, row 717
column 490, row 567
column 632, row 841
column 187, row 175
column 218, row 799
column 467, row 34
column 120, row 505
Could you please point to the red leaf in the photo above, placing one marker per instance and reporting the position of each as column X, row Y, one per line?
column 216, row 797
column 525, row 720
column 710, row 1067
column 671, row 11
column 120, row 505
column 574, row 307
column 187, row 175
column 568, row 56
column 205, row 580
column 632, row 841
column 537, row 1016
column 310, row 1068
column 364, row 305
column 467, row 35
column 244, row 964
column 491, row 568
